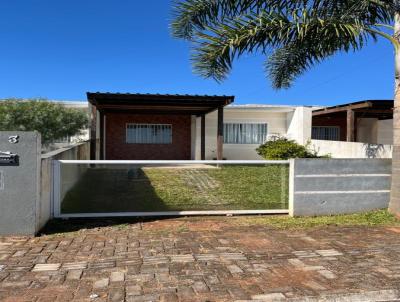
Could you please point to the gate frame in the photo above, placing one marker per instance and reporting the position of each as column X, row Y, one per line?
column 57, row 186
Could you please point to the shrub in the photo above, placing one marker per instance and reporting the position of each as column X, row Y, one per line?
column 283, row 148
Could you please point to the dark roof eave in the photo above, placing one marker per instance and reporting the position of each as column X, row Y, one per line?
column 119, row 98
column 344, row 107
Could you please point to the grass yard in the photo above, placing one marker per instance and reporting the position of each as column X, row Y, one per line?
column 372, row 218
column 176, row 189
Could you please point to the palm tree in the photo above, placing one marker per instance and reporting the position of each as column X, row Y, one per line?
column 294, row 35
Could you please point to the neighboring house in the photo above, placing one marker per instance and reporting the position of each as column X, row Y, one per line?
column 184, row 127
column 368, row 121
column 354, row 130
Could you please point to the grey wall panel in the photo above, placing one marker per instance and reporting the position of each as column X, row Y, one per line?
column 322, row 183
column 338, row 186
column 342, row 166
column 19, row 195
column 330, row 204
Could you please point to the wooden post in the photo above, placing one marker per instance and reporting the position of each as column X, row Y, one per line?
column 93, row 126
column 350, row 126
column 220, row 133
column 101, row 135
column 203, row 137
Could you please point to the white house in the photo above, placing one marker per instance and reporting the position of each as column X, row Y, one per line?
column 248, row 126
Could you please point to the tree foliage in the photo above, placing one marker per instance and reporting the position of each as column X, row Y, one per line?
column 294, row 35
column 282, row 149
column 53, row 120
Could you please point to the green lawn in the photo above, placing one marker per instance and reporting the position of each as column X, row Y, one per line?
column 176, row 189
column 372, row 218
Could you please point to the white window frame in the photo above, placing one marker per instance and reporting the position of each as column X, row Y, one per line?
column 147, row 124
column 247, row 123
column 327, row 139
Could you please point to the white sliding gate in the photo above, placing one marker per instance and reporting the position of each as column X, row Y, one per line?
column 114, row 188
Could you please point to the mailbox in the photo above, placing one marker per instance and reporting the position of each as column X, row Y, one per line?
column 8, row 159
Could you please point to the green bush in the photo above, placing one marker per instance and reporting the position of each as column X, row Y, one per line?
column 283, row 148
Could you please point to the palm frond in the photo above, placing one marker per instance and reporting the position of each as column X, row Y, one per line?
column 192, row 15
column 299, row 33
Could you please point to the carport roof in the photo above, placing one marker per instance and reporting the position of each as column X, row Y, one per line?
column 158, row 103
column 382, row 109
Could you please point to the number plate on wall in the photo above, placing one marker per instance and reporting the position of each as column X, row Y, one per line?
column 8, row 159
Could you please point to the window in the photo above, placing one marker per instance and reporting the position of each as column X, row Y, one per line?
column 326, row 133
column 238, row 133
column 148, row 134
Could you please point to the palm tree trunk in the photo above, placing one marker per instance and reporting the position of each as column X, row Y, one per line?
column 394, row 205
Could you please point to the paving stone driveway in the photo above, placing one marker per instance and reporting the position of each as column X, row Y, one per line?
column 202, row 259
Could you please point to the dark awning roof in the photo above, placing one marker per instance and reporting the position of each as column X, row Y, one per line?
column 382, row 109
column 158, row 103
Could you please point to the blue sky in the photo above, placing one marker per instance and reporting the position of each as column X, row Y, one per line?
column 61, row 49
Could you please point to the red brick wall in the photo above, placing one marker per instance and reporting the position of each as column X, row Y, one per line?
column 117, row 148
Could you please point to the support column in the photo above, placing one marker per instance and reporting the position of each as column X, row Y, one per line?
column 101, row 135
column 220, row 133
column 93, row 126
column 203, row 138
column 350, row 137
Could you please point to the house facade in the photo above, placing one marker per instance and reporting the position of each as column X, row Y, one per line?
column 248, row 126
column 185, row 127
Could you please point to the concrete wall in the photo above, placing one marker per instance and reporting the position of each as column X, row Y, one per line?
column 338, row 149
column 338, row 186
column 80, row 152
column 19, row 185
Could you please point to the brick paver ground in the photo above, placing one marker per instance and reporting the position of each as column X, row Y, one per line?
column 202, row 259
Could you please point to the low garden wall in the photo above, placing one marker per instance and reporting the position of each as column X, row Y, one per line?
column 338, row 149
column 338, row 186
column 76, row 152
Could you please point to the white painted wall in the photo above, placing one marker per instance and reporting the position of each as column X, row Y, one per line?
column 299, row 123
column 385, row 132
column 338, row 149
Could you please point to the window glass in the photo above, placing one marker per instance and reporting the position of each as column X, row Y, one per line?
column 245, row 133
column 326, row 133
column 149, row 134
